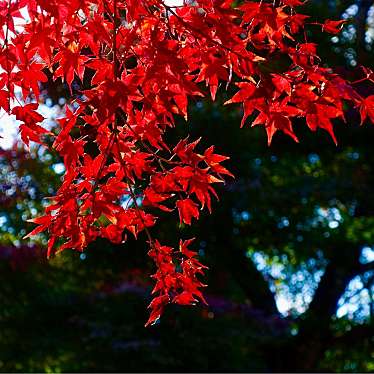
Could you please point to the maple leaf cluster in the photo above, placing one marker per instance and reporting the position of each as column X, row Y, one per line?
column 145, row 61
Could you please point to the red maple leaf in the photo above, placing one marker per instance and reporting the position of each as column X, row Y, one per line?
column 367, row 109
column 29, row 129
column 333, row 27
column 187, row 209
column 138, row 65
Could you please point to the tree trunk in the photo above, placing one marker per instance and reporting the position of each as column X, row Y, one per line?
column 305, row 351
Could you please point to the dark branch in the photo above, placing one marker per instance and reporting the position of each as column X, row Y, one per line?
column 366, row 267
column 361, row 20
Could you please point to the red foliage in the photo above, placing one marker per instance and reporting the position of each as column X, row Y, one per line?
column 148, row 60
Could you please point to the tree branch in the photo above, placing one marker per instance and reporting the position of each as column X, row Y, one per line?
column 361, row 19
column 365, row 267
